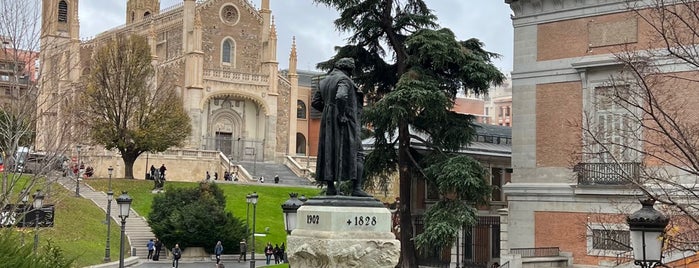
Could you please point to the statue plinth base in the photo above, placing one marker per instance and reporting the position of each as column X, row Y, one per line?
column 342, row 231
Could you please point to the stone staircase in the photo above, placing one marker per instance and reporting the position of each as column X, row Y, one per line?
column 269, row 170
column 137, row 230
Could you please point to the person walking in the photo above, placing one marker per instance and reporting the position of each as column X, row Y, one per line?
column 243, row 250
column 269, row 251
column 162, row 171
column 158, row 247
column 151, row 247
column 218, row 250
column 276, row 252
column 176, row 255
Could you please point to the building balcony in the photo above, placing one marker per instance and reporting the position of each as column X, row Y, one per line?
column 607, row 173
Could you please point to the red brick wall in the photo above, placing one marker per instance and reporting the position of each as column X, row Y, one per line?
column 568, row 232
column 558, row 110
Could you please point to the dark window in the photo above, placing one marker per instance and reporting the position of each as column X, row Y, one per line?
column 62, row 11
column 300, row 109
column 133, row 16
column 145, row 15
column 610, row 239
column 507, row 111
column 496, row 182
column 227, row 51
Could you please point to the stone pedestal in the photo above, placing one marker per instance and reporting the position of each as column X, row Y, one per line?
column 343, row 231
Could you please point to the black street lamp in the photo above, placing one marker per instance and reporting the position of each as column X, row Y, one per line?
column 77, row 177
column 247, row 217
column 289, row 209
column 124, row 202
column 253, row 200
column 25, row 200
column 647, row 228
column 110, row 196
column 38, row 204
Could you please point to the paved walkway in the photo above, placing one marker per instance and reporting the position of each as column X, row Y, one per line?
column 199, row 264
column 137, row 229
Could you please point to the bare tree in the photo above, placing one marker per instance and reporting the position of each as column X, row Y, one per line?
column 20, row 97
column 131, row 106
column 643, row 124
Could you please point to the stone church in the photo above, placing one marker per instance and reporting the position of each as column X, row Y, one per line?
column 224, row 52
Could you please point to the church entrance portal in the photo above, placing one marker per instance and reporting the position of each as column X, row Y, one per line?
column 224, row 142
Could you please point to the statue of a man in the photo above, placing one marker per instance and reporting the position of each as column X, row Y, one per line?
column 340, row 156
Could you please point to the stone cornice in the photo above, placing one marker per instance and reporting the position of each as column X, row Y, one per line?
column 529, row 11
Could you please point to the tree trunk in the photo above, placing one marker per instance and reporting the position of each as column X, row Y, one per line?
column 408, row 259
column 129, row 159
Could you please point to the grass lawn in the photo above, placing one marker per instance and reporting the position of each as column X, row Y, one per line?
column 79, row 228
column 269, row 211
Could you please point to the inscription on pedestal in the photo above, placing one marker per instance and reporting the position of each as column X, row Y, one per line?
column 344, row 219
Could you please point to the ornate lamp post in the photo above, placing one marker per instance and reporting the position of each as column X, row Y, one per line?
column 647, row 227
column 25, row 200
column 77, row 177
column 38, row 204
column 253, row 200
column 124, row 202
column 289, row 209
column 110, row 196
column 247, row 213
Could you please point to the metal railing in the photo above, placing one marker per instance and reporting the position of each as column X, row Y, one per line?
column 607, row 173
column 536, row 252
column 505, row 265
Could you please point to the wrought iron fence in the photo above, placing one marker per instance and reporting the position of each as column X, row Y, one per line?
column 607, row 173
column 536, row 252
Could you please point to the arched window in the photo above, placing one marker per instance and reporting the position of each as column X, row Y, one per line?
column 62, row 11
column 133, row 16
column 300, row 143
column 145, row 15
column 300, row 109
column 228, row 51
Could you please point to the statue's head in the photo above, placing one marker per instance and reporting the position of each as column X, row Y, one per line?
column 345, row 64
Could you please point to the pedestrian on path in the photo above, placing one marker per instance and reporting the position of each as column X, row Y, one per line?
column 269, row 251
column 151, row 248
column 158, row 247
column 176, row 255
column 243, row 250
column 218, row 250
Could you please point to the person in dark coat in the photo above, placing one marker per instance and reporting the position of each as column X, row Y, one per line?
column 158, row 246
column 339, row 148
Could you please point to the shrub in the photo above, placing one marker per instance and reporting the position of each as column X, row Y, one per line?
column 195, row 217
column 12, row 254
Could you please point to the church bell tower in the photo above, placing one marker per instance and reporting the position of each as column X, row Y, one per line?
column 138, row 10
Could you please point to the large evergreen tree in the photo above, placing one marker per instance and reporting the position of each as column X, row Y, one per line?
column 411, row 71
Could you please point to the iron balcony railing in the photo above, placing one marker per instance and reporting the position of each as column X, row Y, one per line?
column 607, row 173
column 536, row 252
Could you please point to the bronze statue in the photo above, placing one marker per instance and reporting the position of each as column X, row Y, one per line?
column 340, row 156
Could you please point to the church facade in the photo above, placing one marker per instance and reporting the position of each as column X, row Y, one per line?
column 223, row 53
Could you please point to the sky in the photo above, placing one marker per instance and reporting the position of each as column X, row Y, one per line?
column 316, row 37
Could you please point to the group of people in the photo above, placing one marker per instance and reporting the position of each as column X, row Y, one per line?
column 154, row 248
column 275, row 252
column 158, row 176
column 227, row 176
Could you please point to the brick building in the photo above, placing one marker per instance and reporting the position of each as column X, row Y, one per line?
column 566, row 201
